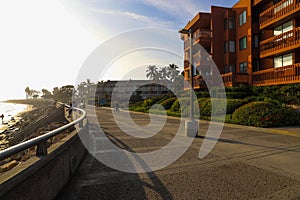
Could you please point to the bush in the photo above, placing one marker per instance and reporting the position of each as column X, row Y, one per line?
column 148, row 103
column 205, row 106
column 236, row 95
column 168, row 102
column 264, row 114
column 179, row 104
column 202, row 94
column 250, row 99
column 233, row 104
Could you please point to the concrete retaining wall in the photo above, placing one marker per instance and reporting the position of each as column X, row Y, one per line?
column 43, row 178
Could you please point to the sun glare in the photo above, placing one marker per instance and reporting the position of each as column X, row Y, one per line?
column 41, row 43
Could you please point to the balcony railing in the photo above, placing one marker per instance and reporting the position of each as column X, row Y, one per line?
column 199, row 82
column 275, row 76
column 227, row 79
column 202, row 33
column 278, row 12
column 279, row 43
column 186, row 44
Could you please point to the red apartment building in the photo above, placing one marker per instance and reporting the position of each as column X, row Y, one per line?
column 256, row 42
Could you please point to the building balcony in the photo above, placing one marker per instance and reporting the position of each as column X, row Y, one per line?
column 281, row 43
column 198, row 83
column 186, row 44
column 276, row 76
column 232, row 79
column 228, row 79
column 279, row 11
column 202, row 35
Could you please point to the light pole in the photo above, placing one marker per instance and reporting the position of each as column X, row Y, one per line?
column 191, row 126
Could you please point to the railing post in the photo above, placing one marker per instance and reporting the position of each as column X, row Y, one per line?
column 41, row 149
column 81, row 124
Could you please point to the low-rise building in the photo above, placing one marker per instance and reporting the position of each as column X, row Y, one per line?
column 102, row 92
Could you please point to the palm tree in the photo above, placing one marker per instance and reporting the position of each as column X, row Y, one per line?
column 152, row 72
column 163, row 73
column 173, row 72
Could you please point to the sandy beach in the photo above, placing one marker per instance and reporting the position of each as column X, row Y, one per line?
column 34, row 109
column 10, row 120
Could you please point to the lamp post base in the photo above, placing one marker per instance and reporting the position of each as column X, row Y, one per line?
column 191, row 128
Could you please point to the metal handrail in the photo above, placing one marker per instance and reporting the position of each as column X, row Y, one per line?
column 40, row 139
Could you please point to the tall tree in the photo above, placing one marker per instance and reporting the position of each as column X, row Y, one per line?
column 152, row 72
column 173, row 72
column 27, row 91
column 46, row 94
column 163, row 73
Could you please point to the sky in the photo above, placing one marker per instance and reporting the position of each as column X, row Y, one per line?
column 44, row 44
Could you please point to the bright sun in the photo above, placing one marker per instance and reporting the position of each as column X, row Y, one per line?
column 41, row 45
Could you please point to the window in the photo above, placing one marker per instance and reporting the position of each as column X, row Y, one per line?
column 225, row 23
column 231, row 46
column 231, row 22
column 255, row 41
column 284, row 60
column 243, row 43
column 283, row 28
column 283, row 5
column 243, row 17
column 243, row 67
column 231, row 68
column 226, row 47
column 226, row 69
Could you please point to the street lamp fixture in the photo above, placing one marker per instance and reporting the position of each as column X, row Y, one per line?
column 191, row 126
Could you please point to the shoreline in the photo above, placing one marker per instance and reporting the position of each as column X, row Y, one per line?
column 6, row 125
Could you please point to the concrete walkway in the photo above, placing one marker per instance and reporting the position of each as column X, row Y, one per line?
column 246, row 163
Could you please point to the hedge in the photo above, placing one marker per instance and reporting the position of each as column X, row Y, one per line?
column 167, row 104
column 205, row 106
column 265, row 114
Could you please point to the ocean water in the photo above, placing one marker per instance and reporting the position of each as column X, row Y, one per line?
column 10, row 110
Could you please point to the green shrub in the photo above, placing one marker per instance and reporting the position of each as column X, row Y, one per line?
column 272, row 101
column 250, row 99
column 202, row 94
column 167, row 104
column 264, row 114
column 179, row 104
column 148, row 103
column 236, row 95
column 151, row 101
column 205, row 106
column 139, row 109
column 233, row 104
